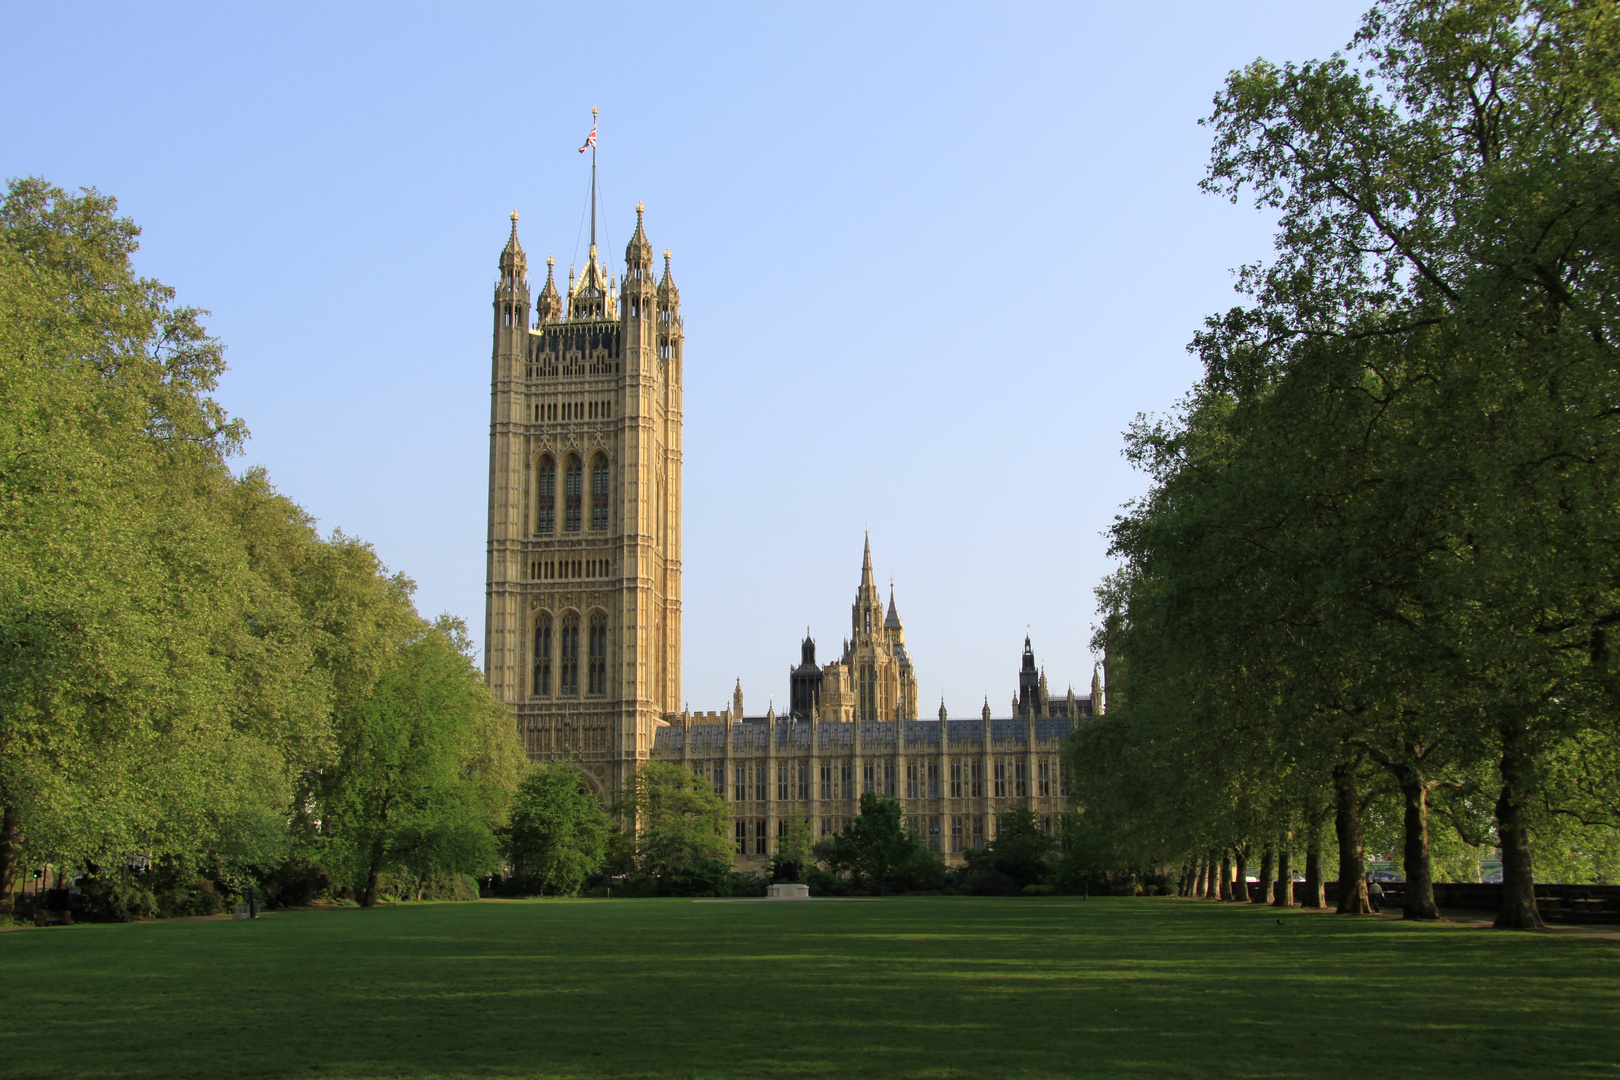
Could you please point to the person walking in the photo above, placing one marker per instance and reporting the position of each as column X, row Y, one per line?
column 1375, row 895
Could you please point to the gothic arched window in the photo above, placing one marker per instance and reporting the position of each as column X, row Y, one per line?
column 545, row 497
column 868, row 691
column 573, row 488
column 598, row 654
column 568, row 682
column 542, row 656
column 599, row 494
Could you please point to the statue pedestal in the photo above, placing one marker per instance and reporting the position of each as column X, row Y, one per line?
column 787, row 892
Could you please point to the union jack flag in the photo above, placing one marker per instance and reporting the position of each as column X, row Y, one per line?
column 590, row 140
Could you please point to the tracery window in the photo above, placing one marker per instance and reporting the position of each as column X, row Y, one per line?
column 976, row 789
column 868, row 692
column 599, row 494
column 1001, row 779
column 888, row 780
column 545, row 497
column 956, row 782
column 573, row 489
column 1021, row 779
column 542, row 656
column 598, row 655
column 911, row 779
column 568, row 683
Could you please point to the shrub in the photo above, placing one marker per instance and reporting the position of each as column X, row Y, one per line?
column 747, row 885
column 826, row 883
column 295, row 883
column 434, row 885
column 114, row 897
column 194, row 898
column 1040, row 890
column 993, row 883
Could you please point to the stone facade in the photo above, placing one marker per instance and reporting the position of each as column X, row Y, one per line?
column 583, row 603
column 852, row 728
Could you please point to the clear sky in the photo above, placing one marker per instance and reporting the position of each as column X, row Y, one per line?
column 933, row 259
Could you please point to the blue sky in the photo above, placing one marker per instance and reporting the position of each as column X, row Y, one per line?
column 933, row 259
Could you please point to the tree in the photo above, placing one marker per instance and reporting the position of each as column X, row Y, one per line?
column 680, row 830
column 118, row 576
column 1378, row 553
column 425, row 767
column 1021, row 850
column 874, row 846
column 558, row 832
column 796, row 844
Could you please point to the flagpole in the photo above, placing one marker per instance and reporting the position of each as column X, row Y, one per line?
column 593, row 179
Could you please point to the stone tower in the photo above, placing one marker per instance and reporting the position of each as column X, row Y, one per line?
column 583, row 600
column 875, row 659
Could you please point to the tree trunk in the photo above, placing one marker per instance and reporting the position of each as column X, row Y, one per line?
column 1268, row 862
column 1419, row 873
column 1315, row 885
column 1285, row 875
column 1352, row 859
column 1214, row 892
column 1226, row 876
column 1518, row 910
column 1182, row 879
column 1201, row 883
column 1240, row 879
column 8, row 855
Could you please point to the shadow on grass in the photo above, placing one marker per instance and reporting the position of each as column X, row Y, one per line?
column 940, row 987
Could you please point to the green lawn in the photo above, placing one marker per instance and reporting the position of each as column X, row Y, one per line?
column 937, row 987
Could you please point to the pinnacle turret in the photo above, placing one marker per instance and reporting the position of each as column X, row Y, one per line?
column 549, row 306
column 514, row 264
column 638, row 252
column 667, row 292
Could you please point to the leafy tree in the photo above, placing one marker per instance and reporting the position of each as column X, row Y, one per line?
column 118, row 576
column 1379, row 553
column 425, row 767
column 796, row 844
column 1021, row 850
column 558, row 832
column 680, row 830
column 874, row 846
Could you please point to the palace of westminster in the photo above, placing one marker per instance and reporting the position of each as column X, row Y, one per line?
column 583, row 615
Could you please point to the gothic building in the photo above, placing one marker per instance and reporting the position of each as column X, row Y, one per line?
column 852, row 727
column 583, row 599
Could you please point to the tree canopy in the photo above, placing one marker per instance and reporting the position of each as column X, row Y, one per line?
column 189, row 673
column 1376, row 565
